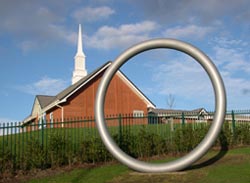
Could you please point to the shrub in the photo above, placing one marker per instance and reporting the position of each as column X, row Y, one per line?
column 62, row 149
column 186, row 138
column 149, row 143
column 93, row 150
column 161, row 145
column 59, row 149
column 242, row 135
column 5, row 160
column 127, row 142
column 34, row 155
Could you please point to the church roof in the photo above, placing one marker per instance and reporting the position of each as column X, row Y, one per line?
column 45, row 100
column 177, row 111
column 73, row 87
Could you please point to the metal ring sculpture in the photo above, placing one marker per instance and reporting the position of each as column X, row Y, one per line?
column 208, row 140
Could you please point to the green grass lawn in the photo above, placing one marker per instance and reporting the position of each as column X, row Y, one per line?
column 234, row 166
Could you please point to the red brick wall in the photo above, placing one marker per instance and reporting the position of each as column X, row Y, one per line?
column 120, row 99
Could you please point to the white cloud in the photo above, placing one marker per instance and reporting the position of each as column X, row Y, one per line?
column 190, row 31
column 231, row 55
column 45, row 86
column 233, row 59
column 237, row 92
column 227, row 42
column 53, row 32
column 185, row 79
column 172, row 11
column 33, row 24
column 188, row 81
column 27, row 46
column 63, row 34
column 110, row 37
column 192, row 88
column 91, row 14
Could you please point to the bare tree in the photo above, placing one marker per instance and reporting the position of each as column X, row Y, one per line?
column 170, row 101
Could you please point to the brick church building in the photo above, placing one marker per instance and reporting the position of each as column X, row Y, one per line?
column 77, row 100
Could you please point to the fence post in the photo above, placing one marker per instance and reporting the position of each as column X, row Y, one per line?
column 3, row 138
column 42, row 132
column 15, row 154
column 182, row 118
column 233, row 122
column 11, row 136
column 120, row 128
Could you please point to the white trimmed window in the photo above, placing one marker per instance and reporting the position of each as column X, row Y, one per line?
column 51, row 119
column 138, row 113
column 40, row 123
column 44, row 120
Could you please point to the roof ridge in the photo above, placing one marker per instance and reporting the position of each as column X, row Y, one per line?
column 45, row 95
column 178, row 110
column 70, row 88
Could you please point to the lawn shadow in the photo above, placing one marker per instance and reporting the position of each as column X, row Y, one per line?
column 223, row 151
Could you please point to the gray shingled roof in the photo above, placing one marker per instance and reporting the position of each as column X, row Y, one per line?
column 45, row 100
column 174, row 111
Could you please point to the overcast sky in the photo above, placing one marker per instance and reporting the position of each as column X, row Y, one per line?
column 38, row 45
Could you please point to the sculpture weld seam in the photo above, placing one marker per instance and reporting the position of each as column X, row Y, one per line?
column 208, row 140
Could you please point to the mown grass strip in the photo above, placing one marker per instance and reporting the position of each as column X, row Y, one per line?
column 233, row 167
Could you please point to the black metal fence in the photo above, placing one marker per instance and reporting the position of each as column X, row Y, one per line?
column 57, row 142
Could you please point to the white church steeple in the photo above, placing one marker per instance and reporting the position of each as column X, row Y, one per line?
column 79, row 70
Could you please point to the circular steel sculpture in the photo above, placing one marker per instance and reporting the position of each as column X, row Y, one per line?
column 203, row 146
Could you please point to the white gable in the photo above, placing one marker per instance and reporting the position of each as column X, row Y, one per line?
column 36, row 110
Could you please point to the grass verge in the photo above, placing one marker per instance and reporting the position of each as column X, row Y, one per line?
column 234, row 166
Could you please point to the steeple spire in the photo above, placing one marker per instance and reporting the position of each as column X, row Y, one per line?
column 79, row 44
column 80, row 70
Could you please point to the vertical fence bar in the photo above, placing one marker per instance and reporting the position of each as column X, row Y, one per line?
column 36, row 128
column 78, row 132
column 26, row 140
column 42, row 133
column 27, row 137
column 233, row 122
column 11, row 126
column 120, row 128
column 46, row 133
column 19, row 144
column 23, row 148
column 71, row 135
column 64, row 136
column 11, row 144
column 7, row 134
column 75, row 121
column 156, row 131
column 15, row 134
column 3, row 142
column 182, row 118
